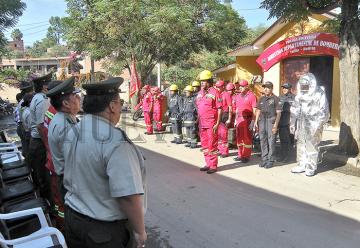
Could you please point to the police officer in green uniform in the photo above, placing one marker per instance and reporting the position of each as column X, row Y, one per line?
column 65, row 99
column 104, row 175
column 37, row 151
column 286, row 138
column 268, row 112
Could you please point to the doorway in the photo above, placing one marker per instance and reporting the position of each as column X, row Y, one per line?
column 320, row 66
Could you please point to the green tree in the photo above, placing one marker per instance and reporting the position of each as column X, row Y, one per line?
column 56, row 29
column 10, row 11
column 16, row 34
column 184, row 72
column 291, row 10
column 161, row 31
column 39, row 48
column 253, row 33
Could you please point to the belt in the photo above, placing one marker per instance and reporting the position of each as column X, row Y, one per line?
column 85, row 217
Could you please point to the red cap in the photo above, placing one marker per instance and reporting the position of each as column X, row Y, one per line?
column 220, row 83
column 230, row 86
column 244, row 83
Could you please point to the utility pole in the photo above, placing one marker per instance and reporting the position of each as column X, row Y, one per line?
column 159, row 75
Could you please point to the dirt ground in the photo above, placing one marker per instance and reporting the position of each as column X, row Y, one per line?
column 8, row 92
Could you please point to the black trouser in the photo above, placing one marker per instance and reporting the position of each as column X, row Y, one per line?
column 21, row 133
column 60, row 184
column 176, row 129
column 84, row 232
column 191, row 134
column 285, row 141
column 267, row 139
column 37, row 161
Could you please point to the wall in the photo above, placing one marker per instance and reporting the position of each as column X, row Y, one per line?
column 229, row 75
column 335, row 104
column 247, row 67
column 273, row 75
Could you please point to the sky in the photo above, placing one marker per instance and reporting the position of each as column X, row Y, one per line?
column 35, row 19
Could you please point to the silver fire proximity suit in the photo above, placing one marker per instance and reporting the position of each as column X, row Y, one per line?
column 311, row 111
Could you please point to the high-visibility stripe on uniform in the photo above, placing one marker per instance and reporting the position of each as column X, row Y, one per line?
column 49, row 114
column 210, row 96
column 61, row 214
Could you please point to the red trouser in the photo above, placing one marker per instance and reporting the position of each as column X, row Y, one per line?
column 244, row 138
column 157, row 117
column 223, row 139
column 148, row 122
column 209, row 143
column 58, row 202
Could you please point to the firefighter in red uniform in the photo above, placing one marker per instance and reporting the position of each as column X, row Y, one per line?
column 230, row 88
column 147, row 105
column 237, row 87
column 158, row 99
column 226, row 104
column 209, row 109
column 245, row 108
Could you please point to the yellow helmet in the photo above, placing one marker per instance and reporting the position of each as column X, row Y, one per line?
column 174, row 87
column 195, row 84
column 205, row 75
column 189, row 88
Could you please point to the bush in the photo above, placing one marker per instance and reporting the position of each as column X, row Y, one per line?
column 11, row 76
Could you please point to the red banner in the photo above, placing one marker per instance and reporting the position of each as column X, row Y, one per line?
column 309, row 44
column 135, row 83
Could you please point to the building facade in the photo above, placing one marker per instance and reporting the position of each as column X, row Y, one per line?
column 284, row 52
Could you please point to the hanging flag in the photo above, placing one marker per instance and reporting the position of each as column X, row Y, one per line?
column 135, row 83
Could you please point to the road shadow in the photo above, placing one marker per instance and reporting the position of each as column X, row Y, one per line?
column 185, row 205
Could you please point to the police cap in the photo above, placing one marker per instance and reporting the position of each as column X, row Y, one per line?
column 62, row 87
column 105, row 87
column 24, row 85
column 268, row 84
column 287, row 85
column 43, row 80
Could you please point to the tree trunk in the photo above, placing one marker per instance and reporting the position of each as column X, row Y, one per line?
column 349, row 140
column 92, row 70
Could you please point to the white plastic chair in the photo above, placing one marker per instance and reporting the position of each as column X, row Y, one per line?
column 5, row 147
column 45, row 237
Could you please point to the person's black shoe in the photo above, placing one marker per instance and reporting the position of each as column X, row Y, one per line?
column 193, row 146
column 211, row 171
column 268, row 165
column 237, row 159
column 223, row 156
column 187, row 145
column 147, row 133
column 173, row 141
column 244, row 160
column 178, row 142
column 205, row 168
column 262, row 164
column 285, row 160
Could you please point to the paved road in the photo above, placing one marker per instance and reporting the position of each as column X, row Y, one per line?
column 190, row 209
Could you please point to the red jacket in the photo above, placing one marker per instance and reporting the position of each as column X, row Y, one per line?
column 208, row 103
column 157, row 102
column 147, row 102
column 49, row 115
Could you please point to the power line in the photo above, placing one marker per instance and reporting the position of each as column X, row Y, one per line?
column 22, row 30
column 36, row 27
column 249, row 9
column 30, row 24
column 35, row 32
